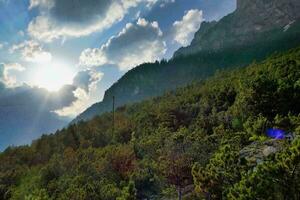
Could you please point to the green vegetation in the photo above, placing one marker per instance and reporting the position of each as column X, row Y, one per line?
column 206, row 140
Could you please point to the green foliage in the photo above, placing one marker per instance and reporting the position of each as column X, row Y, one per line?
column 219, row 174
column 279, row 176
column 29, row 187
column 128, row 192
column 38, row 195
column 186, row 143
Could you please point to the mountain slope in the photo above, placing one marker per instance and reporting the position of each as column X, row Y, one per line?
column 245, row 25
column 153, row 79
column 207, row 140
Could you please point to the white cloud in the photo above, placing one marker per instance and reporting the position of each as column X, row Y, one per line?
column 6, row 76
column 32, row 51
column 134, row 45
column 86, row 84
column 165, row 2
column 151, row 3
column 185, row 29
column 14, row 66
column 77, row 106
column 41, row 3
column 1, row 45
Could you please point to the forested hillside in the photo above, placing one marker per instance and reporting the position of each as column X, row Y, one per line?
column 233, row 136
column 153, row 79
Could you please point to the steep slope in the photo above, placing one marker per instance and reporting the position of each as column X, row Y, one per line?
column 211, row 137
column 251, row 19
column 153, row 79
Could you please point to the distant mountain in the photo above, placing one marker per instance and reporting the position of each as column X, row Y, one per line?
column 254, row 31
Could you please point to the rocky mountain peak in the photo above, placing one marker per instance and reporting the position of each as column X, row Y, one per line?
column 251, row 19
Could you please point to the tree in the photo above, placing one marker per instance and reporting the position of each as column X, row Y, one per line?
column 219, row 174
column 176, row 164
column 128, row 192
column 277, row 178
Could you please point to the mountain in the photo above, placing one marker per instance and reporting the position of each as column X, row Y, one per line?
column 234, row 136
column 252, row 20
column 235, row 41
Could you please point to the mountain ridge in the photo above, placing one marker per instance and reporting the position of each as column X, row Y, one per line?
column 153, row 79
column 242, row 26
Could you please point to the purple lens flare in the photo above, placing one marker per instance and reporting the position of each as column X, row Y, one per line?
column 276, row 133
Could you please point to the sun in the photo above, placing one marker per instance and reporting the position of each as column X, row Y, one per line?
column 53, row 76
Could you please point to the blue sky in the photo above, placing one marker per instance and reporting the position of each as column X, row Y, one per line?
column 74, row 50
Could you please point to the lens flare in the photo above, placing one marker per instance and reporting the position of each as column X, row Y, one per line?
column 276, row 133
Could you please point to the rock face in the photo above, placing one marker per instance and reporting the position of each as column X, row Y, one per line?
column 251, row 20
column 257, row 152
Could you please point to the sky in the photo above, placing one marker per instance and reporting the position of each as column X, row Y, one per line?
column 57, row 57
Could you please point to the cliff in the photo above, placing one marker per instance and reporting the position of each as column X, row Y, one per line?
column 246, row 24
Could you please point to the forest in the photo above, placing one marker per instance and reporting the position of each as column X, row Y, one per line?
column 232, row 136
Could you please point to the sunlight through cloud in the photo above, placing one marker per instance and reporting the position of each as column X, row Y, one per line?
column 52, row 77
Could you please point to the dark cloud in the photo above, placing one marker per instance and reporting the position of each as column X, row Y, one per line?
column 33, row 97
column 74, row 18
column 27, row 112
column 2, row 85
column 79, row 11
column 132, row 37
column 85, row 79
column 2, row 68
column 135, row 44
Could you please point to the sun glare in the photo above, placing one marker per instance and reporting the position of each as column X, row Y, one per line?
column 52, row 77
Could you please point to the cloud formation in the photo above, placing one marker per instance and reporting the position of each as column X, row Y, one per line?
column 184, row 30
column 165, row 2
column 77, row 106
column 69, row 18
column 23, row 96
column 16, row 95
column 85, row 81
column 6, row 78
column 32, row 51
column 27, row 112
column 135, row 44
